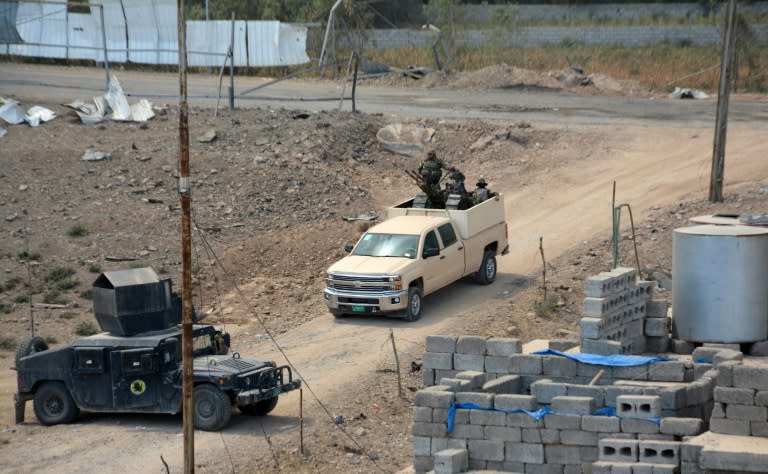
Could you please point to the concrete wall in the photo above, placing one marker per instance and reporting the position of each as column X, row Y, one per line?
column 699, row 35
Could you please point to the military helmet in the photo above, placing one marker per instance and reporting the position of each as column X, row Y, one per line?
column 481, row 183
column 431, row 154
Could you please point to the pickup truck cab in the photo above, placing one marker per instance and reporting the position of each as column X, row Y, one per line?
column 413, row 253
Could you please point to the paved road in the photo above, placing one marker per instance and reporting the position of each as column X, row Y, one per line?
column 33, row 82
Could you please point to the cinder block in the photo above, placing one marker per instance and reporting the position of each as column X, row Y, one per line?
column 562, row 422
column 705, row 354
column 531, row 468
column 525, row 364
column 745, row 376
column 562, row 345
column 442, row 344
column 645, row 289
column 638, row 406
column 656, row 308
column 636, row 372
column 742, row 396
column 690, row 468
column 659, row 452
column 487, row 418
column 679, row 346
column 656, row 327
column 761, row 398
column 591, row 328
column 477, row 464
column 596, row 392
column 497, row 364
column 440, row 415
column 759, row 428
column 482, row 400
column 727, row 356
column 618, row 450
column 545, row 390
column 531, row 435
column 600, row 424
column 422, row 445
column 503, row 433
column 436, row 360
column 674, row 397
column 549, row 436
column 589, row 371
column 433, row 399
column 732, row 427
column 746, row 412
column 512, row 402
column 487, row 450
column 725, row 373
column 503, row 346
column 439, row 444
column 556, row 366
column 423, row 464
column 572, row 405
column 474, row 345
column 456, row 385
column 599, row 286
column 759, row 349
column 689, row 452
column 602, row 467
column 671, row 371
column 665, row 469
column 468, row 362
column 718, row 410
column 451, row 461
column 657, row 345
column 440, row 373
column 560, row 454
column 467, row 432
column 431, row 430
column 522, row 420
column 600, row 346
column 524, row 452
column 632, row 425
column 422, row 414
column 475, row 378
column 613, row 391
column 504, row 384
column 578, row 437
column 428, row 376
column 682, row 426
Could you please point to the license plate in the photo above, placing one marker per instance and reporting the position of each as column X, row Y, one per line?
column 358, row 308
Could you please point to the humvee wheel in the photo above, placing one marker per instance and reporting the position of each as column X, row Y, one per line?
column 30, row 345
column 260, row 408
column 212, row 408
column 53, row 404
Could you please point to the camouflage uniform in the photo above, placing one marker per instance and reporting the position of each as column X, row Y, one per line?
column 431, row 169
column 481, row 193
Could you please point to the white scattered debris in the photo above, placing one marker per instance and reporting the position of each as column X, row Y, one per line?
column 208, row 136
column 112, row 105
column 13, row 114
column 38, row 114
column 94, row 155
column 403, row 139
column 3, row 132
column 687, row 93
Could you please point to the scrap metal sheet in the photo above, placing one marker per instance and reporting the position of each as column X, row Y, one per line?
column 8, row 32
column 271, row 43
column 44, row 24
column 207, row 42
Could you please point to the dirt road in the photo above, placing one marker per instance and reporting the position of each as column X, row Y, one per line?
column 656, row 156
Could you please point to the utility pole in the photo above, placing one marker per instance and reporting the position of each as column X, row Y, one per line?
column 187, row 405
column 721, row 121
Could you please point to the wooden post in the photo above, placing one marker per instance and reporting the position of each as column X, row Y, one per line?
column 721, row 120
column 354, row 82
column 397, row 364
column 543, row 267
column 232, row 66
column 104, row 46
column 187, row 406
column 301, row 421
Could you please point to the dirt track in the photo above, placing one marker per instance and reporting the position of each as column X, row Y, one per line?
column 565, row 198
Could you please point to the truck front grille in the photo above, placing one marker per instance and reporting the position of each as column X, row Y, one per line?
column 360, row 283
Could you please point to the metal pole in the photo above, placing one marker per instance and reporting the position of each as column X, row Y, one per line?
column 232, row 66
column 301, row 421
column 354, row 82
column 186, row 250
column 325, row 38
column 721, row 120
column 104, row 44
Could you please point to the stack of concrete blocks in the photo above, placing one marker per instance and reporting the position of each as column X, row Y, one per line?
column 620, row 316
column 494, row 375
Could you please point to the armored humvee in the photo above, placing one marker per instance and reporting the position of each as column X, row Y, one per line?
column 136, row 364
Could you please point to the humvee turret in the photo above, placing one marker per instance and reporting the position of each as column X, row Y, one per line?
column 136, row 364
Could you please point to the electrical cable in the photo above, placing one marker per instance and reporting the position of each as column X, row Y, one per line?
column 281, row 350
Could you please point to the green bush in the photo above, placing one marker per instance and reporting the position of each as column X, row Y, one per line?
column 7, row 343
column 10, row 283
column 77, row 230
column 86, row 328
column 544, row 308
column 68, row 315
column 54, row 297
column 67, row 284
column 58, row 274
column 86, row 294
column 21, row 299
column 29, row 256
column 94, row 268
column 5, row 307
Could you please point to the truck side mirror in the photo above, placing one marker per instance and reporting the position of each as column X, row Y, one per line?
column 349, row 247
column 431, row 252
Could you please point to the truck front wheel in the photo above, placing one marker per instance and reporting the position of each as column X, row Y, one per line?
column 213, row 408
column 413, row 310
column 54, row 405
column 259, row 408
column 487, row 272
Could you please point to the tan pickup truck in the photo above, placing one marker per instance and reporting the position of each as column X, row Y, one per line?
column 413, row 253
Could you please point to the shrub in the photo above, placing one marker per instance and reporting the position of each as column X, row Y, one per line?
column 86, row 294
column 5, row 307
column 77, row 230
column 68, row 315
column 54, row 297
column 7, row 343
column 21, row 299
column 544, row 308
column 29, row 256
column 10, row 283
column 94, row 268
column 51, row 339
column 67, row 284
column 58, row 274
column 86, row 328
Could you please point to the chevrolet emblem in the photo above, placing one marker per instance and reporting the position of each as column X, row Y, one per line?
column 358, row 284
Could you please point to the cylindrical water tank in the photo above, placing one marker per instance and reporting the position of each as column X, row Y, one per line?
column 720, row 283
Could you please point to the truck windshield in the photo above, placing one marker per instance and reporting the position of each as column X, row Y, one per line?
column 387, row 245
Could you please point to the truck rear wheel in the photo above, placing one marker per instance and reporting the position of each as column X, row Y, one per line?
column 213, row 408
column 413, row 310
column 487, row 272
column 260, row 408
column 30, row 345
column 54, row 405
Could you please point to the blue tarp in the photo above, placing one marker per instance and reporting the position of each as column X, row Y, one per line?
column 615, row 360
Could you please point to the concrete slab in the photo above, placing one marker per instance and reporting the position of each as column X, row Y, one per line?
column 732, row 453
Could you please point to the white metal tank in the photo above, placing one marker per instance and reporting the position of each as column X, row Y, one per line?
column 720, row 283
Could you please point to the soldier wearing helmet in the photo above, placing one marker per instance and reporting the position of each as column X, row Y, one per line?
column 481, row 192
column 431, row 169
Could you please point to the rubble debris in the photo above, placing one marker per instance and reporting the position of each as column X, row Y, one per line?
column 362, row 217
column 11, row 112
column 94, row 155
column 112, row 105
column 409, row 140
column 3, row 132
column 687, row 93
column 207, row 137
column 37, row 114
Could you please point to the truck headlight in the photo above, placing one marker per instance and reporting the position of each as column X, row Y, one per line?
column 396, row 282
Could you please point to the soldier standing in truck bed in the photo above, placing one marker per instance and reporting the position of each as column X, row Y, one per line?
column 431, row 169
column 481, row 193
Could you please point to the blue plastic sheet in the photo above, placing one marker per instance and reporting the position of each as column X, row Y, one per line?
column 536, row 415
column 615, row 360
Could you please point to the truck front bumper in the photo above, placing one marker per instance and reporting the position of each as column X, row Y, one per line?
column 361, row 303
